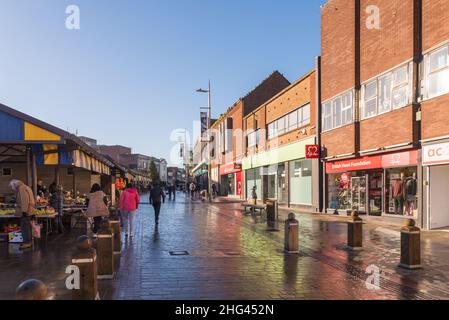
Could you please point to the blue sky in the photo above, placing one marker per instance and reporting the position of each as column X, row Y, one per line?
column 129, row 75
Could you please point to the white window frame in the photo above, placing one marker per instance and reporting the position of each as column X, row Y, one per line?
column 302, row 123
column 344, row 108
column 429, row 73
column 406, row 84
column 379, row 91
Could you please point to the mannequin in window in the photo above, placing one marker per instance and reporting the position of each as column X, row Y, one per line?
column 398, row 195
column 410, row 190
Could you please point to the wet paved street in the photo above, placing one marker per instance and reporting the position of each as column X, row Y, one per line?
column 232, row 256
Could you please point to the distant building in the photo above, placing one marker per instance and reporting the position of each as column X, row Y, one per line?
column 89, row 141
column 114, row 151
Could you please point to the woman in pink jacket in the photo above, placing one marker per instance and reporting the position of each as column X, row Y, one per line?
column 128, row 204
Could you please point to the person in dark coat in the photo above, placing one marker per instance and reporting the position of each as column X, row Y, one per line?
column 157, row 196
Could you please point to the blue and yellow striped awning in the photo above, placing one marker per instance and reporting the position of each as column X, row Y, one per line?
column 83, row 160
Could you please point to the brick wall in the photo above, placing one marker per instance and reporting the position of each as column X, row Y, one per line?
column 388, row 129
column 435, row 117
column 339, row 141
column 392, row 44
column 435, row 22
column 337, row 47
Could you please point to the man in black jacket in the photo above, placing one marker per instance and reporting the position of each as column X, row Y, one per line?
column 157, row 195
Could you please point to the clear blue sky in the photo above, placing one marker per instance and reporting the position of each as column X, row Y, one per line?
column 129, row 75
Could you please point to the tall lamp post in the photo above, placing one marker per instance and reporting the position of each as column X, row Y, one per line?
column 209, row 116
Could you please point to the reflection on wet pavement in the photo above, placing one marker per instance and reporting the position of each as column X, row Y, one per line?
column 232, row 256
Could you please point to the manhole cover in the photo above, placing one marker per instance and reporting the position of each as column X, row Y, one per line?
column 179, row 253
column 232, row 253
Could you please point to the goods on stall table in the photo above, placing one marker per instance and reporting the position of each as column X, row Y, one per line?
column 15, row 237
column 48, row 211
column 7, row 212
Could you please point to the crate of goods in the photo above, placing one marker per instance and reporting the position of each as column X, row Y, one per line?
column 4, row 237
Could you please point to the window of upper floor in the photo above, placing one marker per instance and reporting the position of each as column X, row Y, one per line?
column 436, row 72
column 253, row 138
column 338, row 112
column 291, row 121
column 389, row 91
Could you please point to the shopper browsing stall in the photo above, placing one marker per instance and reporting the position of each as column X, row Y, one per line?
column 25, row 209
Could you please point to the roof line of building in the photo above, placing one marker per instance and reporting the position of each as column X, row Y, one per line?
column 302, row 78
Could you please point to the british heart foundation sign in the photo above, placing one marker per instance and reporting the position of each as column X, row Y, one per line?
column 391, row 160
column 312, row 151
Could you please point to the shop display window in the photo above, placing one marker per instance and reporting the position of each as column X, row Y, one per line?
column 401, row 192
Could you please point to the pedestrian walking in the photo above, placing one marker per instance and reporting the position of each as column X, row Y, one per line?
column 25, row 209
column 97, row 206
column 57, row 203
column 192, row 190
column 254, row 195
column 128, row 204
column 157, row 196
column 214, row 190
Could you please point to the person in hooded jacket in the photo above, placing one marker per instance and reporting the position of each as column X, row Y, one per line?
column 128, row 204
column 25, row 209
column 157, row 195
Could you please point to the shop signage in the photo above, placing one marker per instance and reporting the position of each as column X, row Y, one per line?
column 436, row 154
column 391, row 160
column 312, row 151
column 230, row 168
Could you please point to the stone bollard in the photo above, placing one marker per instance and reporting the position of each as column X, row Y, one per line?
column 85, row 258
column 32, row 289
column 105, row 251
column 410, row 246
column 355, row 232
column 116, row 229
column 291, row 234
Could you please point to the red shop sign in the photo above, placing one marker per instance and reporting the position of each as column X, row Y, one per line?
column 312, row 151
column 230, row 168
column 391, row 160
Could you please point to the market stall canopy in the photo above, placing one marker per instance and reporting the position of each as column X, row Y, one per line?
column 51, row 145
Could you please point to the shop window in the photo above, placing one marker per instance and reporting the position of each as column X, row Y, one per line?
column 7, row 172
column 300, row 182
column 437, row 72
column 401, row 192
column 337, row 112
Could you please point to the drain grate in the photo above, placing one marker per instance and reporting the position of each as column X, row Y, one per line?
column 179, row 253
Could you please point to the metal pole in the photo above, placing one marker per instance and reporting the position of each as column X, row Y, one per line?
column 209, row 171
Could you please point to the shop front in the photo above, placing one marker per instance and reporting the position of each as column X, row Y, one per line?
column 201, row 178
column 435, row 158
column 376, row 185
column 231, row 179
column 283, row 174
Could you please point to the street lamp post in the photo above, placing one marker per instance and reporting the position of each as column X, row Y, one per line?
column 209, row 116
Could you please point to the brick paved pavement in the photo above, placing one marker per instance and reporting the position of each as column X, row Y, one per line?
column 232, row 256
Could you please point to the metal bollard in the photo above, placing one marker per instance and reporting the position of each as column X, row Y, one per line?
column 410, row 246
column 105, row 251
column 85, row 258
column 355, row 232
column 32, row 289
column 291, row 234
column 116, row 229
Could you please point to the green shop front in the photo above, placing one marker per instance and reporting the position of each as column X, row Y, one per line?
column 284, row 174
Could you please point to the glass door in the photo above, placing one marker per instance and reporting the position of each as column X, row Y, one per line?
column 375, row 193
column 358, row 193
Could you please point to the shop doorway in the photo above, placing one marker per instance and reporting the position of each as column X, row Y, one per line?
column 438, row 199
column 375, row 192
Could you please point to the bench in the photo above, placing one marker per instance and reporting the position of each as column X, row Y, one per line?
column 253, row 207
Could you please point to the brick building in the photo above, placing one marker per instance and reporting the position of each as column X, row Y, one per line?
column 113, row 151
column 383, row 85
column 228, row 148
column 277, row 133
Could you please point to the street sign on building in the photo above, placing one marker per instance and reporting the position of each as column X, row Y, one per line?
column 312, row 151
